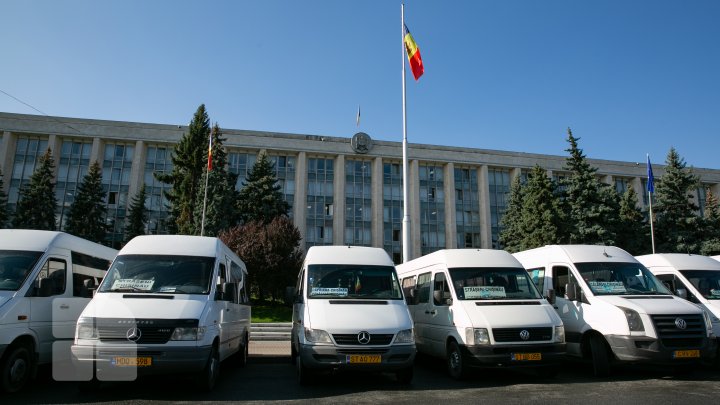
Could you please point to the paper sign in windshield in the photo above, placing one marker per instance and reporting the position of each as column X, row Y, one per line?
column 123, row 283
column 715, row 293
column 608, row 287
column 341, row 292
column 484, row 292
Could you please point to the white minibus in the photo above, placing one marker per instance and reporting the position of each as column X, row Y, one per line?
column 349, row 314
column 614, row 309
column 479, row 308
column 169, row 303
column 46, row 280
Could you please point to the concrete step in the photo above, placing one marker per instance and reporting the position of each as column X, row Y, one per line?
column 270, row 331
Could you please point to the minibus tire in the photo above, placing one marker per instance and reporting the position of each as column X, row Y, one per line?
column 600, row 356
column 455, row 362
column 405, row 375
column 304, row 375
column 16, row 368
column 241, row 357
column 211, row 372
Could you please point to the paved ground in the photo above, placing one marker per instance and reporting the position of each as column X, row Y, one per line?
column 269, row 348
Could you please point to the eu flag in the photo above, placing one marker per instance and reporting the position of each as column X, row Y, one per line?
column 650, row 185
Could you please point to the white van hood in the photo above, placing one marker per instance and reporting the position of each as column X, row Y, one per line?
column 344, row 316
column 509, row 316
column 652, row 305
column 113, row 305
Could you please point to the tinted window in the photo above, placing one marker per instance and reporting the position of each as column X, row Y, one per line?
column 15, row 266
column 611, row 278
column 476, row 283
column 352, row 281
column 160, row 274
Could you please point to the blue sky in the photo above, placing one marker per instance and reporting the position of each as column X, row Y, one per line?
column 629, row 77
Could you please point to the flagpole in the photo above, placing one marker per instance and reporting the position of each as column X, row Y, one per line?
column 650, row 189
column 406, row 216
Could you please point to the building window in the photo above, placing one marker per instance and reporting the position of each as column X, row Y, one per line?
column 320, row 177
column 28, row 151
column 392, row 210
column 358, row 202
column 284, row 166
column 73, row 166
column 467, row 208
column 117, row 164
column 432, row 207
column 499, row 192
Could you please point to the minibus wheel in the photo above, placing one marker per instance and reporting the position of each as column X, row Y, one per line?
column 16, row 368
column 242, row 354
column 212, row 370
column 600, row 356
column 304, row 375
column 405, row 375
column 455, row 362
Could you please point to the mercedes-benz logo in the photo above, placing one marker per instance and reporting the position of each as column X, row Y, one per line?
column 680, row 323
column 524, row 334
column 363, row 338
column 133, row 334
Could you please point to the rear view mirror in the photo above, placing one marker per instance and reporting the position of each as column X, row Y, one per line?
column 551, row 297
column 570, row 292
column 682, row 293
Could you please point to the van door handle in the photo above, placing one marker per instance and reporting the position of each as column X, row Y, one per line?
column 433, row 312
column 64, row 306
column 555, row 307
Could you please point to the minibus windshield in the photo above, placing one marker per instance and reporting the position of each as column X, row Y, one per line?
column 613, row 278
column 163, row 274
column 340, row 281
column 15, row 266
column 707, row 282
column 492, row 283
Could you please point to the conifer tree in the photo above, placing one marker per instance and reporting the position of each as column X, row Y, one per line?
column 86, row 217
column 633, row 232
column 220, row 208
column 4, row 214
column 677, row 227
column 511, row 235
column 37, row 203
column 260, row 198
column 711, row 242
column 189, row 157
column 137, row 215
column 593, row 205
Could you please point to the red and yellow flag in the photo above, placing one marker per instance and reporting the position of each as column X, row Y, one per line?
column 413, row 53
column 210, row 154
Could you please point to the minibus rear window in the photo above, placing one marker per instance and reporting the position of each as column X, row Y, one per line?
column 160, row 274
column 492, row 283
column 15, row 266
column 352, row 281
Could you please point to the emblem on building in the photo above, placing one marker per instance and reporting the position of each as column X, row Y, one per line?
column 361, row 143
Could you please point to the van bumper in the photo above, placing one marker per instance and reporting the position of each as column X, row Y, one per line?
column 644, row 349
column 502, row 355
column 164, row 360
column 320, row 357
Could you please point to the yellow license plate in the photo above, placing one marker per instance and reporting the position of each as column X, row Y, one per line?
column 363, row 359
column 686, row 354
column 526, row 356
column 131, row 361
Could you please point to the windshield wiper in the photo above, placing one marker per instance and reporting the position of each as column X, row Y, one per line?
column 126, row 289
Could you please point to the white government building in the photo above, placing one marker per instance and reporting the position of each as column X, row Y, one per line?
column 340, row 190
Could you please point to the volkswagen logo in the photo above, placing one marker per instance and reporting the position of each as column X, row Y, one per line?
column 680, row 323
column 363, row 338
column 524, row 334
column 133, row 334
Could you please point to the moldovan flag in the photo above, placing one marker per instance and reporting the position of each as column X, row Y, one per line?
column 651, row 180
column 210, row 154
column 413, row 53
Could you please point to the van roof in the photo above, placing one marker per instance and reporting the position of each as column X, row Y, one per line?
column 679, row 261
column 39, row 241
column 453, row 258
column 574, row 254
column 185, row 245
column 348, row 255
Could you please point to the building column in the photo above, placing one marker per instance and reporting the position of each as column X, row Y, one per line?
column 414, row 214
column 339, row 201
column 377, row 203
column 7, row 157
column 450, row 211
column 96, row 151
column 514, row 174
column 484, row 199
column 608, row 179
column 55, row 145
column 137, row 174
column 300, row 202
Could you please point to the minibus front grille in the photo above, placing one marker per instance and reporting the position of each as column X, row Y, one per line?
column 351, row 339
column 522, row 334
column 671, row 333
column 148, row 335
column 140, row 331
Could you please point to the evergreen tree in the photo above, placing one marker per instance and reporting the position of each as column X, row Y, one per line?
column 189, row 157
column 511, row 235
column 633, row 232
column 137, row 215
column 710, row 245
column 4, row 214
column 260, row 198
column 37, row 203
column 86, row 218
column 220, row 209
column 593, row 205
column 677, row 227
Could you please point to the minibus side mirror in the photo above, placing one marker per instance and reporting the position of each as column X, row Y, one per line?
column 682, row 293
column 225, row 292
column 290, row 293
column 551, row 297
column 570, row 291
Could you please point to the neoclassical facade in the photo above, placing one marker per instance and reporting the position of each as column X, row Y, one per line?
column 341, row 190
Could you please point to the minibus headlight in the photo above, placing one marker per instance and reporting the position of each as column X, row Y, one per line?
column 188, row 333
column 86, row 329
column 477, row 336
column 559, row 334
column 633, row 319
column 405, row 336
column 317, row 336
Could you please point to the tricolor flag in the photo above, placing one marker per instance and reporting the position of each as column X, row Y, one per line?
column 650, row 185
column 413, row 53
column 210, row 154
